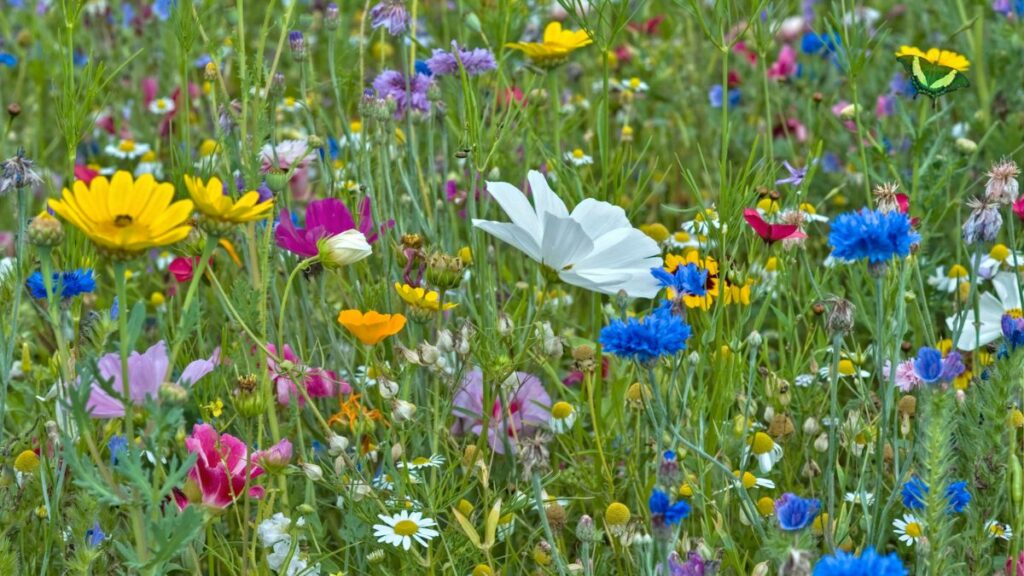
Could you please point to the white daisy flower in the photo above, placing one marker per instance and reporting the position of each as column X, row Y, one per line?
column 595, row 247
column 865, row 498
column 765, row 450
column 805, row 380
column 909, row 529
column 996, row 529
column 578, row 158
column 126, row 149
column 749, row 480
column 635, row 84
column 948, row 281
column 161, row 106
column 563, row 416
column 434, row 461
column 992, row 307
column 289, row 104
column 846, row 368
column 811, row 214
column 996, row 258
column 404, row 527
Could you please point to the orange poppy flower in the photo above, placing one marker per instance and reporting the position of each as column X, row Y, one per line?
column 371, row 327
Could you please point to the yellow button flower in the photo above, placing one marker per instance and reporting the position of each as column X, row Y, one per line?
column 125, row 215
column 212, row 202
column 27, row 462
column 555, row 48
column 946, row 58
column 371, row 327
column 422, row 298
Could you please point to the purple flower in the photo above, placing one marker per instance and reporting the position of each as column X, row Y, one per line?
column 694, row 565
column 1013, row 331
column 324, row 218
column 475, row 61
column 932, row 368
column 794, row 512
column 528, row 409
column 392, row 84
column 146, row 374
column 390, row 14
column 796, row 175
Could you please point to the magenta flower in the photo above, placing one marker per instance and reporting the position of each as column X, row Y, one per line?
column 318, row 382
column 324, row 218
column 275, row 458
column 528, row 409
column 785, row 66
column 146, row 374
column 222, row 471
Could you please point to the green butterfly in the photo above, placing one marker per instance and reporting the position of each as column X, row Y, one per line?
column 930, row 79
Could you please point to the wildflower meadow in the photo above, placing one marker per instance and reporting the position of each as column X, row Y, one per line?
column 503, row 287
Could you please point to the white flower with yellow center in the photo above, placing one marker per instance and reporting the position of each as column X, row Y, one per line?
column 996, row 529
column 750, row 481
column 846, row 369
column 126, row 149
column 161, row 106
column 765, row 450
column 636, row 85
column 865, row 498
column 433, row 461
column 999, row 257
column 289, row 104
column 987, row 327
column 404, row 527
column 578, row 158
column 909, row 529
column 949, row 281
column 810, row 213
column 563, row 416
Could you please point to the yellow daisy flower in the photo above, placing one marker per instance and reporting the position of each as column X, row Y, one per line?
column 946, row 58
column 124, row 215
column 213, row 203
column 421, row 298
column 673, row 261
column 555, row 48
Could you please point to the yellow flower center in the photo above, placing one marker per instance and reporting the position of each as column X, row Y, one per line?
column 768, row 205
column 161, row 104
column 406, row 528
column 577, row 154
column 634, row 83
column 126, row 146
column 1014, row 313
column 846, row 367
column 27, row 462
column 761, row 443
column 808, row 209
column 123, row 220
column 766, row 506
column 420, row 460
column 999, row 252
column 996, row 530
column 682, row 237
column 355, row 126
column 957, row 271
column 686, row 490
column 914, row 530
column 748, row 479
column 561, row 410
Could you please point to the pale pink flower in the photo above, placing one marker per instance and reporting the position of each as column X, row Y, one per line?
column 528, row 409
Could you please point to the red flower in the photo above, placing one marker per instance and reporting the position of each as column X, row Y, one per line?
column 184, row 268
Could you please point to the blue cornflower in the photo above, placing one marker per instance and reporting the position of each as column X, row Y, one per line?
column 663, row 512
column 915, row 490
column 8, row 59
column 163, row 8
column 796, row 513
column 94, row 536
column 928, row 364
column 869, row 563
column 421, row 67
column 872, row 234
column 827, row 43
column 661, row 333
column 116, row 445
column 689, row 280
column 67, row 284
column 1013, row 331
column 716, row 93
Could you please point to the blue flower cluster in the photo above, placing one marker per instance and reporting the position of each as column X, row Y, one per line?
column 659, row 334
column 932, row 368
column 690, row 280
column 869, row 563
column 664, row 512
column 872, row 234
column 914, row 491
column 796, row 513
column 67, row 284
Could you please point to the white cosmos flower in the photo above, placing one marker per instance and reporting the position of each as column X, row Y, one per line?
column 404, row 527
column 594, row 247
column 992, row 308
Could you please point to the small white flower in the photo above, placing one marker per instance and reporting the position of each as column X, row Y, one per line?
column 810, row 214
column 749, row 480
column 944, row 281
column 996, row 529
column 343, row 249
column 578, row 158
column 998, row 257
column 126, row 149
column 636, row 85
column 909, row 529
column 404, row 527
column 563, row 416
column 765, row 450
column 865, row 498
column 433, row 461
column 161, row 106
column 805, row 380
column 289, row 104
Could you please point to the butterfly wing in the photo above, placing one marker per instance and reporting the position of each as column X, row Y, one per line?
column 763, row 229
column 931, row 79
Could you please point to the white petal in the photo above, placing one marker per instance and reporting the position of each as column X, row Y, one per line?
column 544, row 199
column 513, row 235
column 516, row 206
column 1005, row 284
column 598, row 218
column 565, row 242
column 623, row 248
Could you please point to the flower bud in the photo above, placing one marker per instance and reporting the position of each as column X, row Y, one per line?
column 276, row 458
column 811, row 426
column 388, row 388
column 821, row 443
column 429, row 354
column 45, row 231
column 297, row 44
column 312, row 471
column 966, row 145
column 276, row 180
column 445, row 342
column 585, row 531
column 331, row 16
column 402, row 411
column 343, row 249
column 505, row 325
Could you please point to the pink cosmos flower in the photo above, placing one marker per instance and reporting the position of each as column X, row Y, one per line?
column 785, row 67
column 324, row 218
column 906, row 378
column 528, row 409
column 146, row 373
column 222, row 471
column 318, row 382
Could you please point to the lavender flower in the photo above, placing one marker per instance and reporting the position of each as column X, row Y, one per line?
column 390, row 14
column 475, row 61
column 391, row 84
